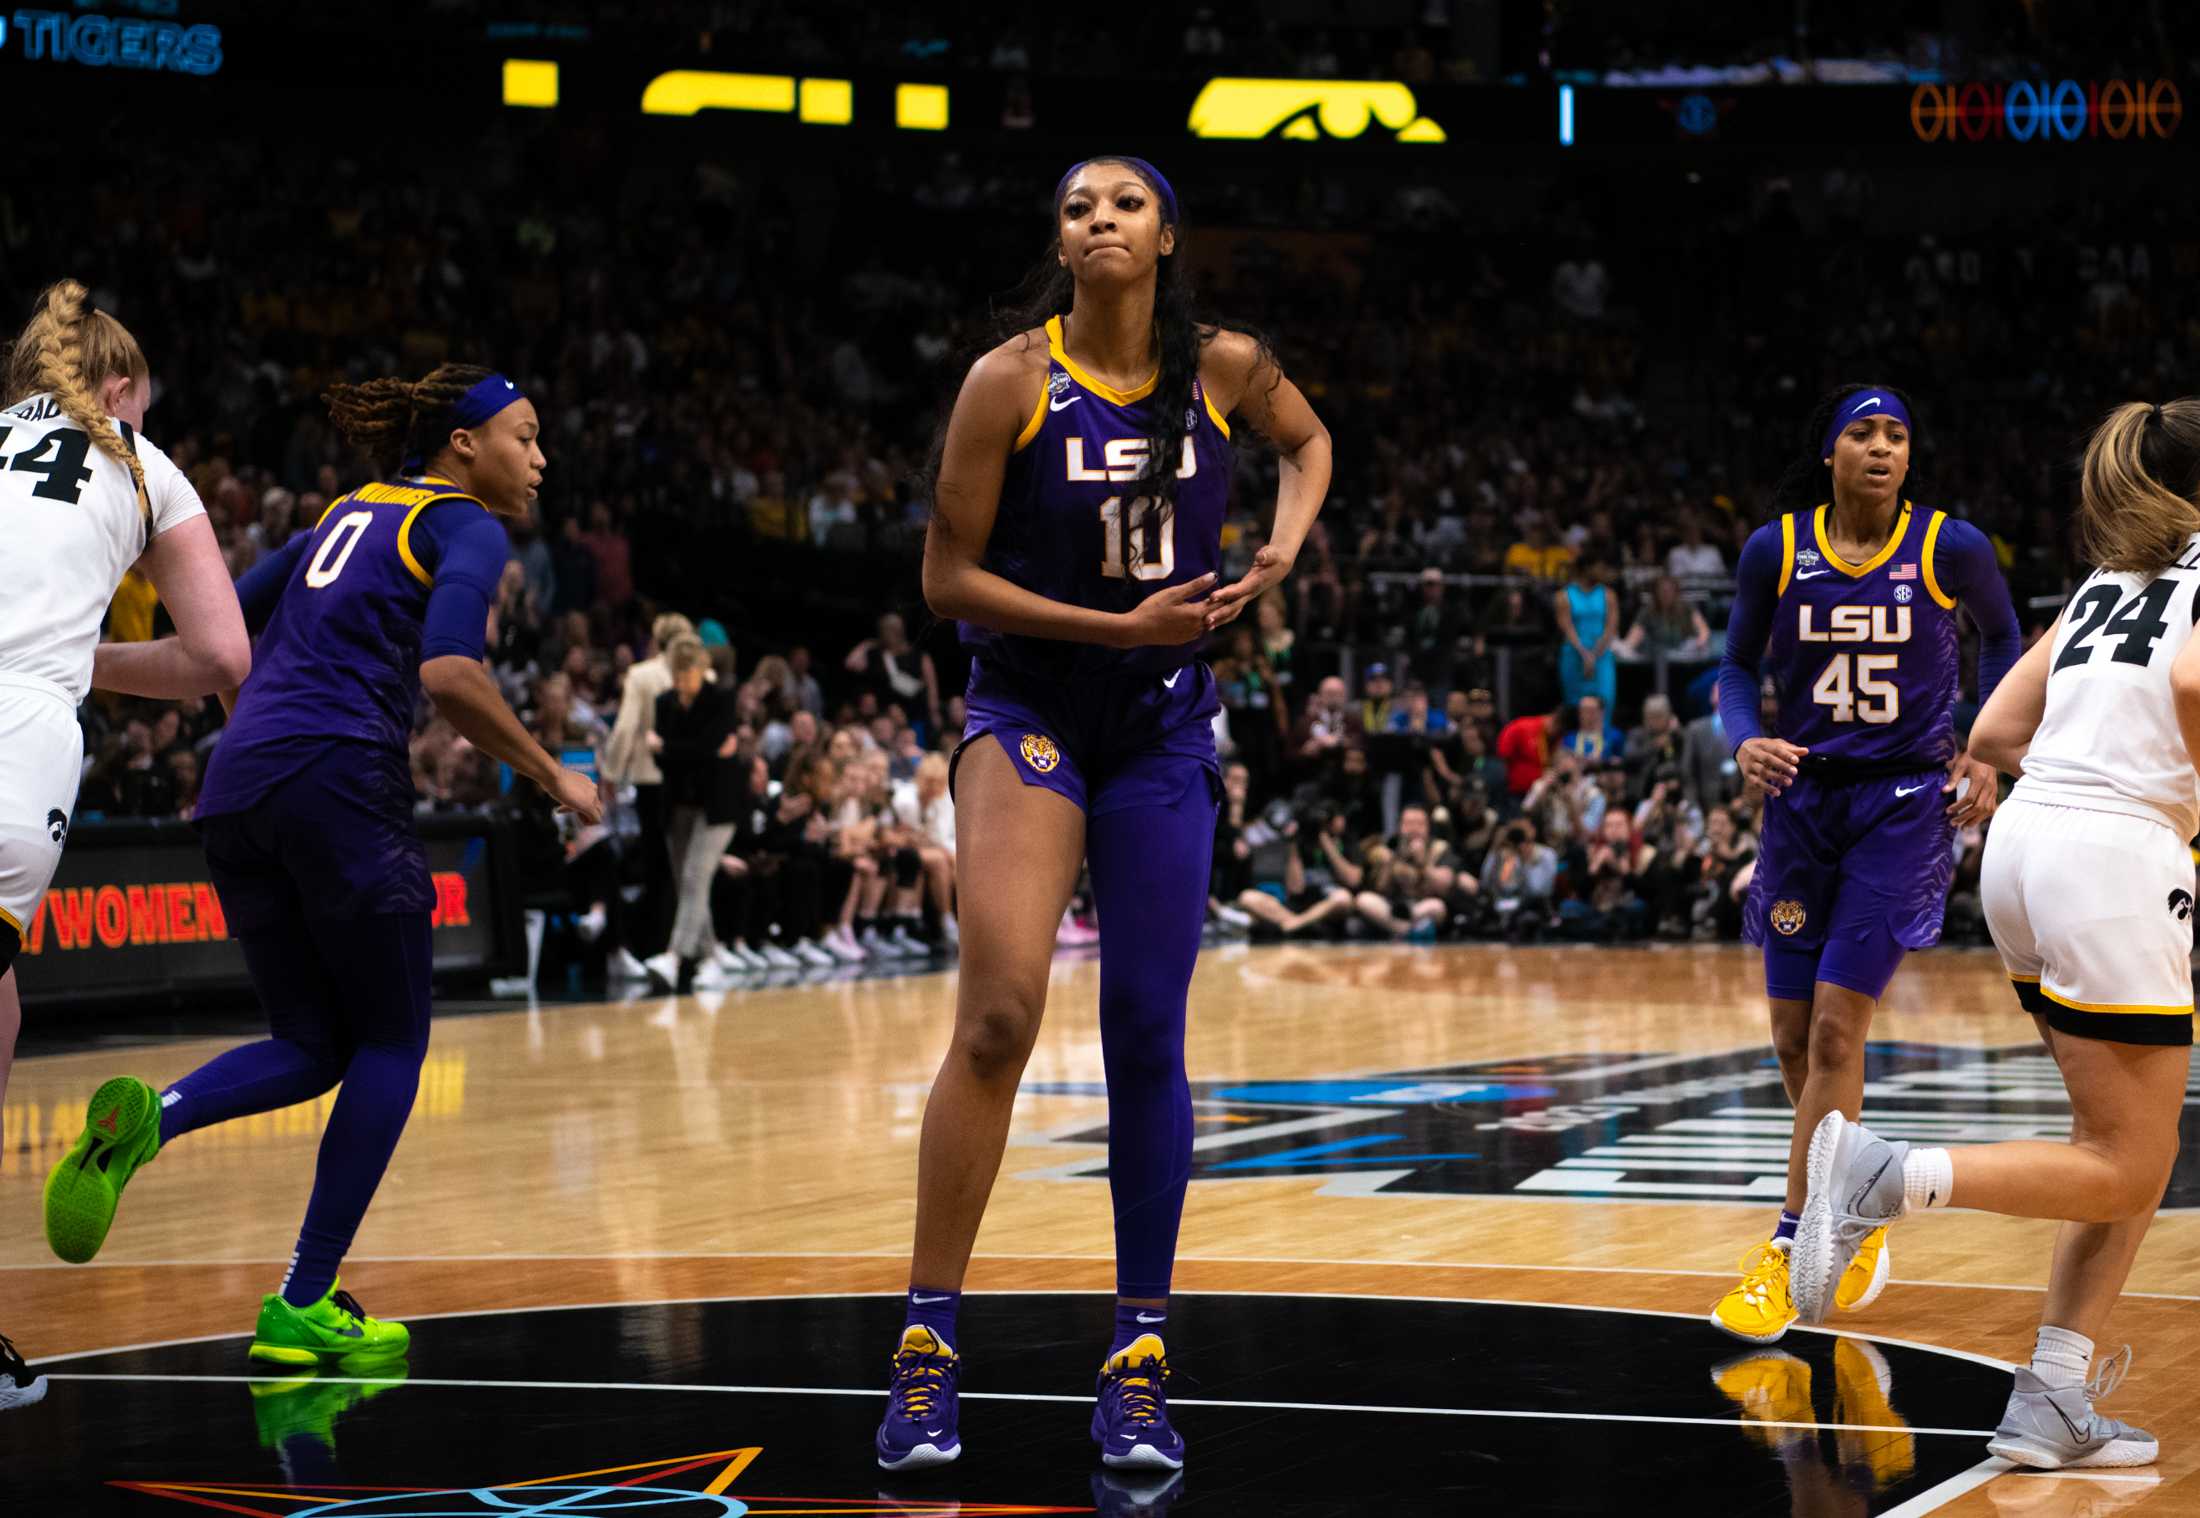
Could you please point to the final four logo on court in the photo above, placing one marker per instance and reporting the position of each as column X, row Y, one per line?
column 1682, row 1127
column 642, row 1490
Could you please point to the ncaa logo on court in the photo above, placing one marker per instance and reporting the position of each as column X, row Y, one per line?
column 1598, row 1127
column 1788, row 916
column 1039, row 752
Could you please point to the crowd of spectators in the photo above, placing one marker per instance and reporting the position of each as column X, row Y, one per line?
column 1546, row 468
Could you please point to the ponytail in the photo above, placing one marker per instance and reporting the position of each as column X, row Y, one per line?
column 2137, row 485
column 399, row 424
column 69, row 350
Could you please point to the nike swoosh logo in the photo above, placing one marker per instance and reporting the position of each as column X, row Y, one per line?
column 1812, row 574
column 924, row 1301
column 934, row 1433
column 1863, row 1191
column 1153, row 1317
column 1865, row 404
column 349, row 1333
column 1170, row 683
column 2075, row 1432
column 1061, row 403
column 1909, row 790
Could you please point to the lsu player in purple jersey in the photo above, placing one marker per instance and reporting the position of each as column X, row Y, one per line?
column 1851, row 607
column 306, row 816
column 1076, row 537
column 2088, row 888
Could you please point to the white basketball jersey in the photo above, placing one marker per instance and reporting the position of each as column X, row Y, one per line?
column 70, row 527
column 2109, row 739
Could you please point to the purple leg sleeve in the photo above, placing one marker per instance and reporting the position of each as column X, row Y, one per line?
column 1149, row 880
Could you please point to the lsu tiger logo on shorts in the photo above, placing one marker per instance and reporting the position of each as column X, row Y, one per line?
column 1787, row 917
column 57, row 826
column 1039, row 752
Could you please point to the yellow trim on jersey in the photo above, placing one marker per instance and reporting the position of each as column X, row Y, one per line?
column 8, row 917
column 1213, row 415
column 1932, row 586
column 1031, row 428
column 1855, row 571
column 2026, row 980
column 2117, row 1008
column 1787, row 552
column 404, row 541
column 1106, row 392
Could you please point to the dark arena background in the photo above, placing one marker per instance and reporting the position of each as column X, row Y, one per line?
column 1478, row 1144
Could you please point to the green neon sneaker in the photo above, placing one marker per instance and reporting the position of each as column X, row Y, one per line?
column 332, row 1331
column 121, row 1132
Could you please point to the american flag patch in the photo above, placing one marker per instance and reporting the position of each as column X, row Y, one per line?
column 1903, row 572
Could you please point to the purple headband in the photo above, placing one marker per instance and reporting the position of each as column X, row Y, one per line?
column 484, row 400
column 1152, row 175
column 1864, row 403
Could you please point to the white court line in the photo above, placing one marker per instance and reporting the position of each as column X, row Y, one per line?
column 903, row 1254
column 1932, row 1499
column 806, row 1296
column 873, row 1391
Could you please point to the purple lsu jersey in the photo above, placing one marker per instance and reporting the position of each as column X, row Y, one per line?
column 339, row 659
column 1864, row 656
column 1073, row 527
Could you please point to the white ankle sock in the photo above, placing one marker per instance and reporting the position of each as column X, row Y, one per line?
column 2060, row 1357
column 1928, row 1175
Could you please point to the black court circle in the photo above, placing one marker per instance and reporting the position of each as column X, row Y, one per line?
column 1292, row 1405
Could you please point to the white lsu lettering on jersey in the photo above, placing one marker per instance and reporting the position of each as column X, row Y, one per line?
column 71, row 527
column 2109, row 738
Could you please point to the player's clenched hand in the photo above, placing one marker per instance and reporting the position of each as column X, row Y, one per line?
column 1769, row 762
column 576, row 793
column 1976, row 804
column 1165, row 618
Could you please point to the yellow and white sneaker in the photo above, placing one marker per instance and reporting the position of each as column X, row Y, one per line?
column 1773, row 1391
column 1759, row 1308
column 1867, row 1275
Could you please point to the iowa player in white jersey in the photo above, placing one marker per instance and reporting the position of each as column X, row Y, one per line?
column 82, row 498
column 2088, row 887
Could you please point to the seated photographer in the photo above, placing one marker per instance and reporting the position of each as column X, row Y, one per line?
column 1518, row 878
column 1281, row 897
column 1613, row 903
column 1388, row 888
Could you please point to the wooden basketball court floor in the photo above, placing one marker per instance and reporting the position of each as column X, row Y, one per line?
column 1598, row 1129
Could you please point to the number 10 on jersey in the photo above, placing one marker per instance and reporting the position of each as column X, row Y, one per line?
column 1137, row 541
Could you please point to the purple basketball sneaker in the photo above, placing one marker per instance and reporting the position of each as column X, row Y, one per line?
column 1131, row 1422
column 919, row 1427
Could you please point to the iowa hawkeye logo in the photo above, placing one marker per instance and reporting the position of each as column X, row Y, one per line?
column 1678, row 1127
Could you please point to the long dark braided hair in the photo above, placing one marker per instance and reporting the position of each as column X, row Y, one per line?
column 1182, row 330
column 398, row 425
column 1808, row 481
